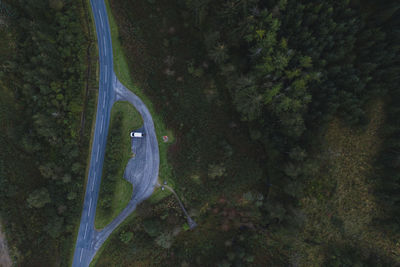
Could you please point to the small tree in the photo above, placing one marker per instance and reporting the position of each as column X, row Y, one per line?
column 126, row 237
column 216, row 170
column 54, row 227
column 164, row 240
column 152, row 227
column 39, row 198
column 219, row 53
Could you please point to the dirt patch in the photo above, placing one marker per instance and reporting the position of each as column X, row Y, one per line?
column 5, row 260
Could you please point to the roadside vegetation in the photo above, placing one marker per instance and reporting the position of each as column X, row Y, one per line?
column 260, row 96
column 115, row 191
column 121, row 68
column 48, row 92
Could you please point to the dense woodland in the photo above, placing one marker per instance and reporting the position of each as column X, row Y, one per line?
column 250, row 88
column 46, row 114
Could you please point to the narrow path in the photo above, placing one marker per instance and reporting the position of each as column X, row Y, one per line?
column 191, row 222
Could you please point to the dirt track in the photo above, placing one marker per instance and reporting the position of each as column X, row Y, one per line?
column 5, row 260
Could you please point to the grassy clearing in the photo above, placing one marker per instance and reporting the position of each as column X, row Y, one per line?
column 121, row 69
column 339, row 203
column 118, row 153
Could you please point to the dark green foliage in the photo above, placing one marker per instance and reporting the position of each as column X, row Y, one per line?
column 152, row 226
column 387, row 176
column 126, row 237
column 238, row 250
column 146, row 238
column 164, row 240
column 55, row 226
column 248, row 86
column 290, row 67
column 39, row 198
column 45, row 142
column 346, row 256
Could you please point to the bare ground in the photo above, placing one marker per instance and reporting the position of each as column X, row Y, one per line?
column 5, row 260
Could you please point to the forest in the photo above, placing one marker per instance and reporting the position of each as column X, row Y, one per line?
column 285, row 118
column 48, row 92
column 286, row 134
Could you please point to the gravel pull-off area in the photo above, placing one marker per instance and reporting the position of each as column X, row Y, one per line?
column 5, row 260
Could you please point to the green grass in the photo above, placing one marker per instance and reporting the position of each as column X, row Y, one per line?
column 121, row 69
column 122, row 189
column 159, row 195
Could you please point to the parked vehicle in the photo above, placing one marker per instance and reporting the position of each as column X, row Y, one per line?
column 137, row 134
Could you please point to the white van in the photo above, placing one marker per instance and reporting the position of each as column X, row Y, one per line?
column 137, row 134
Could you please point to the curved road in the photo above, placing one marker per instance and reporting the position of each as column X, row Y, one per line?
column 141, row 171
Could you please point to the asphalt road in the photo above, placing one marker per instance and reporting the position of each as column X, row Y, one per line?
column 141, row 171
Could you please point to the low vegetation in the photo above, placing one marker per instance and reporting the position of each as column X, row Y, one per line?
column 115, row 191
